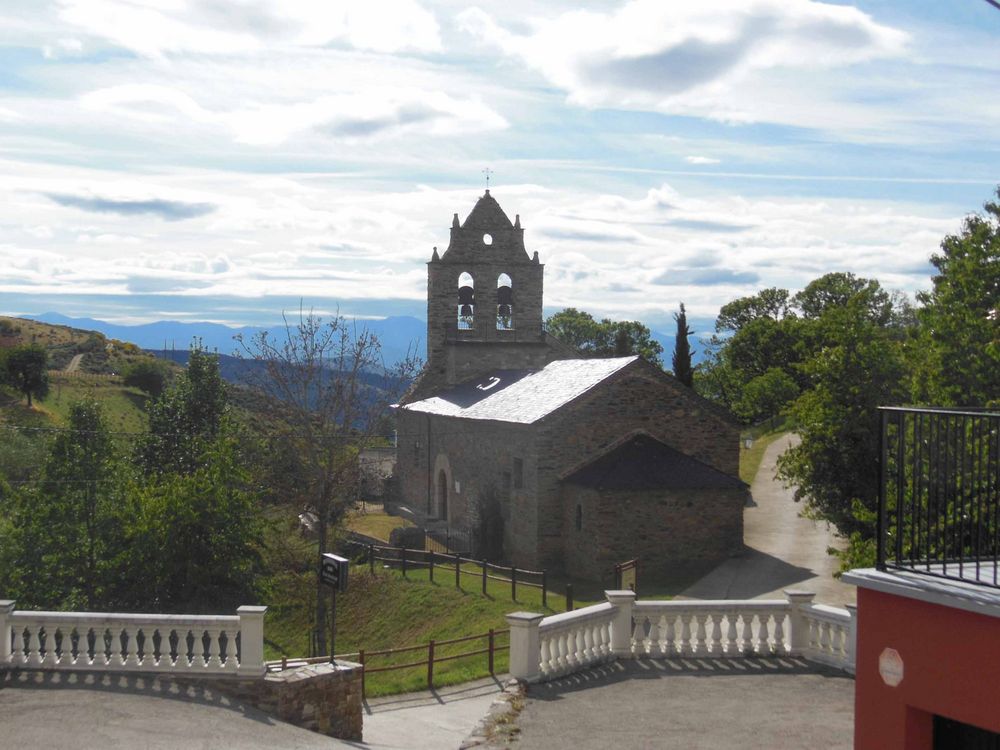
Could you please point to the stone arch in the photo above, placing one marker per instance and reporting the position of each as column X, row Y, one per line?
column 466, row 301
column 505, row 303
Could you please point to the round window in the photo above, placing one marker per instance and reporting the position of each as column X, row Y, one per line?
column 487, row 239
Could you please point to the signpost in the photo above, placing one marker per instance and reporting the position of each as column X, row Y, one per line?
column 333, row 572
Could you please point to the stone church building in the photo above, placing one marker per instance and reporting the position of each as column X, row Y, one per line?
column 593, row 461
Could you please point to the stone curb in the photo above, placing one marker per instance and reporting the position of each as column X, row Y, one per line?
column 497, row 728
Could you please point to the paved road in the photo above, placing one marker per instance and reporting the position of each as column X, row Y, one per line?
column 783, row 549
column 84, row 712
column 691, row 705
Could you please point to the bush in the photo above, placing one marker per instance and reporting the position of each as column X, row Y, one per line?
column 149, row 375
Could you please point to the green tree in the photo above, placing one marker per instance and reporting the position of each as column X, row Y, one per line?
column 147, row 374
column 186, row 419
column 766, row 396
column 837, row 289
column 604, row 338
column 770, row 303
column 682, row 350
column 958, row 356
column 26, row 369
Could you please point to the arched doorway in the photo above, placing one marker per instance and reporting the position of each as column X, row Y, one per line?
column 442, row 493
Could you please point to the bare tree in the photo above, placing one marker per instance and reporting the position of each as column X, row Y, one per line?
column 333, row 386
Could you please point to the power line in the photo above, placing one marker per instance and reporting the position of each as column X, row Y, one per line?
column 994, row 3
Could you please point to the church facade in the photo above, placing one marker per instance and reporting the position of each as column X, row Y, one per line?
column 591, row 461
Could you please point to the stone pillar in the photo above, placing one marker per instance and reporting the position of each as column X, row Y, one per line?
column 525, row 650
column 798, row 637
column 251, row 640
column 851, row 644
column 621, row 625
column 6, row 610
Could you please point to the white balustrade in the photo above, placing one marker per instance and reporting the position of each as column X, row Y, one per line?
column 178, row 644
column 548, row 647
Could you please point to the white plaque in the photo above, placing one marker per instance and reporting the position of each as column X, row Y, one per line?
column 890, row 666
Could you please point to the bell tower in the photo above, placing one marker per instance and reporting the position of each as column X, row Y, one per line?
column 484, row 299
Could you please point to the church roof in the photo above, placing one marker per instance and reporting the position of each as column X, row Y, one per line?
column 521, row 396
column 487, row 214
column 644, row 463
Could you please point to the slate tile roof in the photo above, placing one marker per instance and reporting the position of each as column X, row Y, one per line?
column 644, row 463
column 522, row 396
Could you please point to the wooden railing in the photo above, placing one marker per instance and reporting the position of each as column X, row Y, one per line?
column 431, row 649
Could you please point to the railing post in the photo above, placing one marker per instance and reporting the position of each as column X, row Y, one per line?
column 513, row 583
column 431, row 565
column 361, row 661
column 458, row 571
column 492, row 646
column 798, row 635
column 402, row 557
column 621, row 625
column 483, row 563
column 6, row 610
column 851, row 643
column 430, row 665
column 371, row 558
column 525, row 648
column 251, row 640
column 545, row 599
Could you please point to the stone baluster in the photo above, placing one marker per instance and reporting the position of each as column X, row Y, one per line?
column 851, row 638
column 51, row 658
column 148, row 660
column 660, row 647
column 799, row 602
column 763, row 636
column 34, row 646
column 779, row 633
column 65, row 646
column 545, row 654
column 198, row 660
column 524, row 645
column 746, row 641
column 215, row 649
column 670, row 640
column 639, row 636
column 132, row 647
column 824, row 637
column 732, row 636
column 7, row 654
column 716, row 618
column 701, row 648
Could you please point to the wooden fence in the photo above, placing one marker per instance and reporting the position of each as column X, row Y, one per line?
column 627, row 575
column 431, row 658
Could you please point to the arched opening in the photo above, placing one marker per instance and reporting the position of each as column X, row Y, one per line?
column 442, row 504
column 505, row 303
column 466, row 302
column 579, row 517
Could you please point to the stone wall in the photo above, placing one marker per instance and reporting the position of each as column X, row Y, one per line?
column 320, row 697
column 668, row 531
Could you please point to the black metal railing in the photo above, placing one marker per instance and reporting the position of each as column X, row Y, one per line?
column 939, row 497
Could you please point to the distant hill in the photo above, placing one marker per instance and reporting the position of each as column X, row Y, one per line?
column 398, row 335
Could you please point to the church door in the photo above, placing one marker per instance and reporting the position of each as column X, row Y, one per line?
column 442, row 509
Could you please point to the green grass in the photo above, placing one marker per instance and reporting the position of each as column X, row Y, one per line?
column 750, row 459
column 124, row 408
column 377, row 525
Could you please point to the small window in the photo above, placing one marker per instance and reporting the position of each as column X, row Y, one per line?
column 579, row 517
column 466, row 302
column 505, row 303
column 518, row 473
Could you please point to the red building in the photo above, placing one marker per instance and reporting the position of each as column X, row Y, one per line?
column 928, row 639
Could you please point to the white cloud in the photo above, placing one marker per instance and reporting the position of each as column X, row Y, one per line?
column 701, row 160
column 155, row 28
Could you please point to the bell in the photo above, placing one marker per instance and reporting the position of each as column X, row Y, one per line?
column 466, row 311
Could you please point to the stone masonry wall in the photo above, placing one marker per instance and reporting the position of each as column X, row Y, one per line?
column 639, row 397
column 666, row 530
column 319, row 697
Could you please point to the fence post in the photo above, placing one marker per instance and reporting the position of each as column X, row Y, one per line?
column 618, row 576
column 513, row 583
column 483, row 563
column 850, row 647
column 6, row 610
column 569, row 597
column 545, row 600
column 458, row 571
column 492, row 643
column 402, row 553
column 431, row 566
column 361, row 661
column 371, row 558
column 525, row 654
column 621, row 625
column 251, row 640
column 430, row 665
column 798, row 638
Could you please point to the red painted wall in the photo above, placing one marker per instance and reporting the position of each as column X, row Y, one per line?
column 951, row 667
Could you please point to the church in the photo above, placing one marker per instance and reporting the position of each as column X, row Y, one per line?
column 591, row 461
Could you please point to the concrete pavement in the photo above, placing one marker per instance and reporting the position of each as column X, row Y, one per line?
column 783, row 549
column 691, row 705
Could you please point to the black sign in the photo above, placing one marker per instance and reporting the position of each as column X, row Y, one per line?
column 333, row 571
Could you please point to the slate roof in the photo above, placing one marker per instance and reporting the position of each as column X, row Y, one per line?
column 644, row 463
column 521, row 396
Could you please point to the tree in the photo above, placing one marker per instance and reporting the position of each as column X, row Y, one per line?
column 605, row 338
column 147, row 374
column 770, row 303
column 186, row 419
column 835, row 290
column 682, row 350
column 27, row 370
column 333, row 387
column 766, row 396
column 958, row 356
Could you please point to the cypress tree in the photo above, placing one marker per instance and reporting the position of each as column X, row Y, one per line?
column 682, row 350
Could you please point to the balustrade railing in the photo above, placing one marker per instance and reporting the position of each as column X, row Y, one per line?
column 178, row 644
column 543, row 648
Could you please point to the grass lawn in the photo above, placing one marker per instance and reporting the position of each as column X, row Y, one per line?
column 377, row 525
column 750, row 459
column 124, row 408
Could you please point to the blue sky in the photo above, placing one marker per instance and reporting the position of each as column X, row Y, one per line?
column 221, row 160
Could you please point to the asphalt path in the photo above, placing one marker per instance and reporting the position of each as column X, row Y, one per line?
column 783, row 549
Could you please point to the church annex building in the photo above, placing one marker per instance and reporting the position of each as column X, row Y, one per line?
column 592, row 461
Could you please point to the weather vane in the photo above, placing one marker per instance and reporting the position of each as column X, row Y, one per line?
column 487, row 172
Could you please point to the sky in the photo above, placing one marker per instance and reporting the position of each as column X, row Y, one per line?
column 224, row 160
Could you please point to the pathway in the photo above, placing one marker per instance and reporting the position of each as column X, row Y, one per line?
column 74, row 364
column 783, row 549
